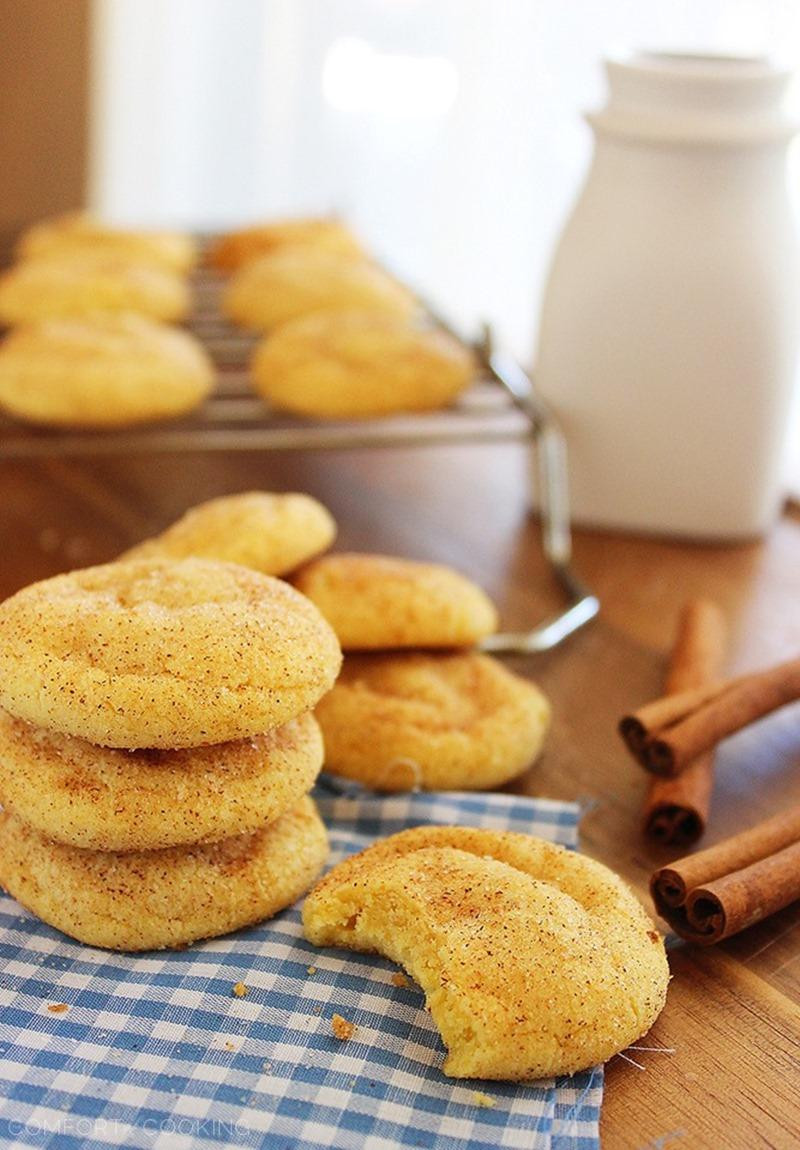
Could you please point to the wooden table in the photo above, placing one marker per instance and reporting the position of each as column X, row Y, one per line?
column 728, row 1076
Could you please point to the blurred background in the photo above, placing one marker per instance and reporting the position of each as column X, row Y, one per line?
column 447, row 132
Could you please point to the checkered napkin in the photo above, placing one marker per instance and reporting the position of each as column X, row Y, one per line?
column 156, row 1051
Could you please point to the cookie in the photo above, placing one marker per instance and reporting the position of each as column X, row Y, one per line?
column 102, row 370
column 273, row 533
column 374, row 602
column 360, row 364
column 163, row 653
column 534, row 961
column 89, row 282
column 296, row 281
column 77, row 232
column 148, row 900
column 97, row 798
column 435, row 721
column 239, row 247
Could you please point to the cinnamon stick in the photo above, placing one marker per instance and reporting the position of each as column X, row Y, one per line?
column 697, row 724
column 717, row 892
column 676, row 809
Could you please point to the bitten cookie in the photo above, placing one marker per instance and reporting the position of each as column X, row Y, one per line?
column 77, row 232
column 374, row 602
column 297, row 281
column 440, row 722
column 273, row 533
column 97, row 798
column 148, row 900
column 534, row 961
column 89, row 282
column 102, row 370
column 245, row 244
column 163, row 653
column 360, row 364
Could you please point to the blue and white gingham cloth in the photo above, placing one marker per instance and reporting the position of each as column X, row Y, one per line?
column 156, row 1051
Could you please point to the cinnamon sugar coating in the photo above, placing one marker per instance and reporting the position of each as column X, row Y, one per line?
column 296, row 281
column 163, row 653
column 239, row 247
column 147, row 900
column 270, row 532
column 436, row 721
column 358, row 364
column 104, row 369
column 535, row 961
column 375, row 602
column 98, row 798
column 77, row 232
column 87, row 281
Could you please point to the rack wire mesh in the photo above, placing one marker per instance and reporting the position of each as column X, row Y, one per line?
column 502, row 406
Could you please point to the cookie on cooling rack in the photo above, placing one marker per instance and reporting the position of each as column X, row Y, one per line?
column 435, row 721
column 77, row 232
column 163, row 653
column 89, row 281
column 270, row 532
column 360, row 364
column 148, row 900
column 374, row 602
column 102, row 370
column 97, row 798
column 296, row 281
column 534, row 960
column 239, row 247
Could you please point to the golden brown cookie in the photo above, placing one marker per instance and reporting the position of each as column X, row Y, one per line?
column 273, row 533
column 374, row 602
column 147, row 900
column 163, row 653
column 97, row 798
column 360, row 364
column 293, row 282
column 436, row 721
column 78, row 232
column 239, row 247
column 534, row 961
column 89, row 282
column 102, row 370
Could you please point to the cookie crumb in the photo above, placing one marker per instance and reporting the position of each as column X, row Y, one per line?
column 240, row 990
column 229, row 1046
column 311, row 969
column 399, row 979
column 342, row 1029
column 483, row 1100
column 266, row 1067
column 57, row 1007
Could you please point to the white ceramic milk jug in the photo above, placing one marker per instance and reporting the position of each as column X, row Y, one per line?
column 669, row 329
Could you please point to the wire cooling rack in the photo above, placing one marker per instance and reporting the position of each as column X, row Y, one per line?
column 501, row 406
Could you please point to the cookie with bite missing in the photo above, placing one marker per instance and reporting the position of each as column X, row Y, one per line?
column 163, row 653
column 99, row 798
column 397, row 722
column 360, row 364
column 148, row 900
column 270, row 532
column 375, row 602
column 535, row 961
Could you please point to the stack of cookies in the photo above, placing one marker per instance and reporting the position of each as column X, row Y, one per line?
column 415, row 706
column 157, row 748
column 92, row 347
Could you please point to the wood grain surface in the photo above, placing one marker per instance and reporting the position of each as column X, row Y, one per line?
column 726, row 1074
